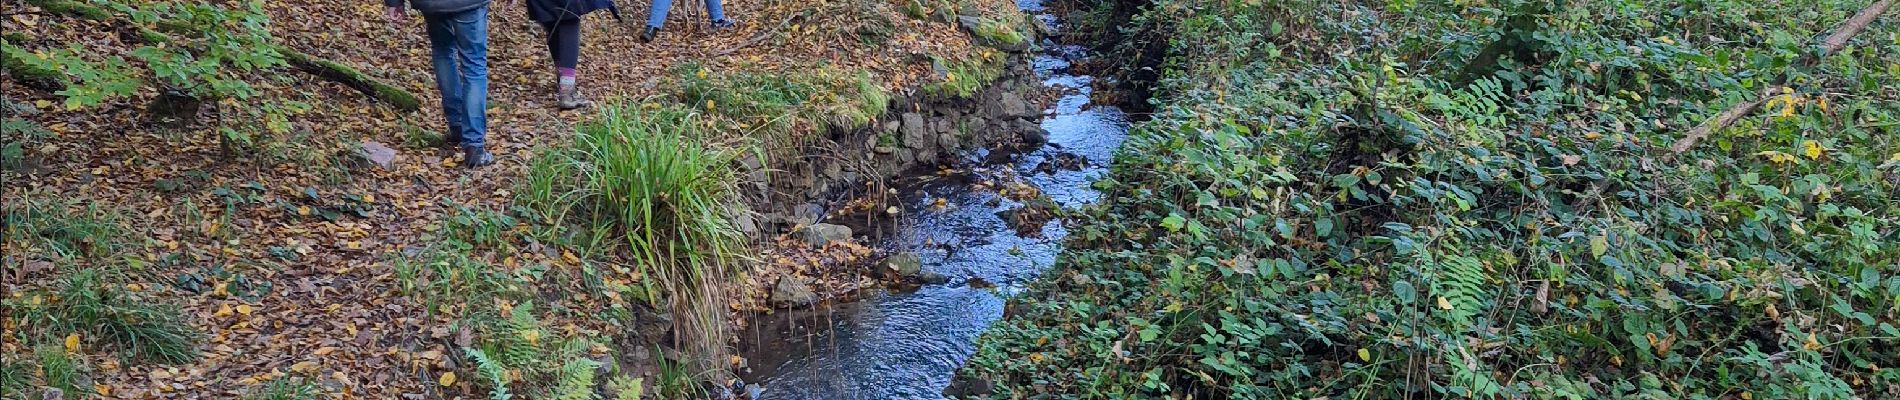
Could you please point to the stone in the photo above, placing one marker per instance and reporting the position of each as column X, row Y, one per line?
column 943, row 125
column 746, row 224
column 969, row 22
column 905, row 265
column 916, row 133
column 1014, row 106
column 963, row 386
column 376, row 154
column 933, row 278
column 793, row 291
column 1030, row 132
column 807, row 214
column 753, row 391
column 948, row 141
column 823, row 234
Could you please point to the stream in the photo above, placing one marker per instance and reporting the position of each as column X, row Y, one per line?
column 908, row 345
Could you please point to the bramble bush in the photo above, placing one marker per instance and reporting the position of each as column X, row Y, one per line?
column 1330, row 203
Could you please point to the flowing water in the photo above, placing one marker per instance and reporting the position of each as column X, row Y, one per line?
column 907, row 345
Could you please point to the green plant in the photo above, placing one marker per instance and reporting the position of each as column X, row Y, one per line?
column 649, row 176
column 91, row 83
column 64, row 229
column 60, row 371
column 1298, row 222
column 284, row 389
column 492, row 371
column 627, row 387
column 99, row 312
column 962, row 78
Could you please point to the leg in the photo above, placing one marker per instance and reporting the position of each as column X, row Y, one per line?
column 715, row 11
column 657, row 17
column 565, row 42
column 554, row 48
column 471, row 45
column 448, row 79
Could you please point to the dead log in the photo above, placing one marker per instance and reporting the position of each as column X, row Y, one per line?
column 1834, row 42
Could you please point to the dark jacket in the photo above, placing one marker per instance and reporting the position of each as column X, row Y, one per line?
column 439, row 6
column 550, row 11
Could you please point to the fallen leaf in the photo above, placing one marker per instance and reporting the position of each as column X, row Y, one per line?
column 448, row 378
column 72, row 343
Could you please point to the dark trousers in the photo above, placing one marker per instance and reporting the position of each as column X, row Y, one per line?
column 564, row 41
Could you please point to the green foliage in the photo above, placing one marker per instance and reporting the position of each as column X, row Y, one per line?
column 99, row 312
column 284, row 389
column 492, row 371
column 649, row 177
column 59, row 370
column 825, row 97
column 63, row 229
column 90, row 83
column 1304, row 221
column 627, row 387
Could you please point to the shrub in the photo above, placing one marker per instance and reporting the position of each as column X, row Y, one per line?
column 1317, row 222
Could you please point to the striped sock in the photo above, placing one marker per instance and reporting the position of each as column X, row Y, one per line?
column 567, row 77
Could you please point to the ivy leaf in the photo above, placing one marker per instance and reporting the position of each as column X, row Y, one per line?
column 1173, row 222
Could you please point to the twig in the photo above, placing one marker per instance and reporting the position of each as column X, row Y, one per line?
column 1833, row 43
column 758, row 38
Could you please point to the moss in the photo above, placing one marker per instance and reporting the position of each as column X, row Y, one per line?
column 353, row 78
column 73, row 8
column 997, row 32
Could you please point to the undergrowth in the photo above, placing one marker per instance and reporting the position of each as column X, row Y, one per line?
column 650, row 178
column 1330, row 203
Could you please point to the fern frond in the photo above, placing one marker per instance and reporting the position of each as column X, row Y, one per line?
column 576, row 380
column 496, row 374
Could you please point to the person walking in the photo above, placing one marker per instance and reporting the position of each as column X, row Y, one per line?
column 656, row 18
column 562, row 21
column 458, row 46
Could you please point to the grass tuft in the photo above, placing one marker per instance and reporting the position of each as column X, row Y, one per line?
column 647, row 175
column 284, row 389
column 63, row 228
column 137, row 328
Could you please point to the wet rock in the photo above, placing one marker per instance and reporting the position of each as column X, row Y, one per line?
column 963, row 386
column 752, row 391
column 1030, row 131
column 793, row 291
column 933, row 278
column 906, row 265
column 916, row 133
column 947, row 140
column 823, row 234
column 373, row 153
column 978, row 282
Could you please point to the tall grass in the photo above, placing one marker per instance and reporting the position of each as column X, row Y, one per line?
column 63, row 228
column 649, row 177
column 140, row 330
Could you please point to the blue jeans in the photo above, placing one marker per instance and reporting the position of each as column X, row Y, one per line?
column 657, row 17
column 458, row 44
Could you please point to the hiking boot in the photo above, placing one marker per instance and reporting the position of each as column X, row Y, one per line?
column 723, row 24
column 476, row 157
column 646, row 35
column 570, row 98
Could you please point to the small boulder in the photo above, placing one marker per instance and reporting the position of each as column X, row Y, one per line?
column 916, row 132
column 933, row 278
column 793, row 291
column 373, row 153
column 905, row 265
column 969, row 23
column 1014, row 106
column 823, row 234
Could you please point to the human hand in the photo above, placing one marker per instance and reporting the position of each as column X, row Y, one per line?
column 396, row 14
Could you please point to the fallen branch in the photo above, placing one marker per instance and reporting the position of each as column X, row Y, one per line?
column 326, row 69
column 1833, row 43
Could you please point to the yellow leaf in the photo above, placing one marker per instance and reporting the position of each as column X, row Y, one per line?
column 1592, row 135
column 701, row 74
column 102, row 389
column 448, row 378
column 1811, row 344
column 570, row 257
column 1444, row 303
column 1812, row 149
column 1772, row 312
column 709, row 105
column 223, row 311
column 531, row 335
column 305, row 366
column 303, row 211
column 324, row 351
column 244, row 309
column 1365, row 355
column 72, row 343
column 369, row 197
